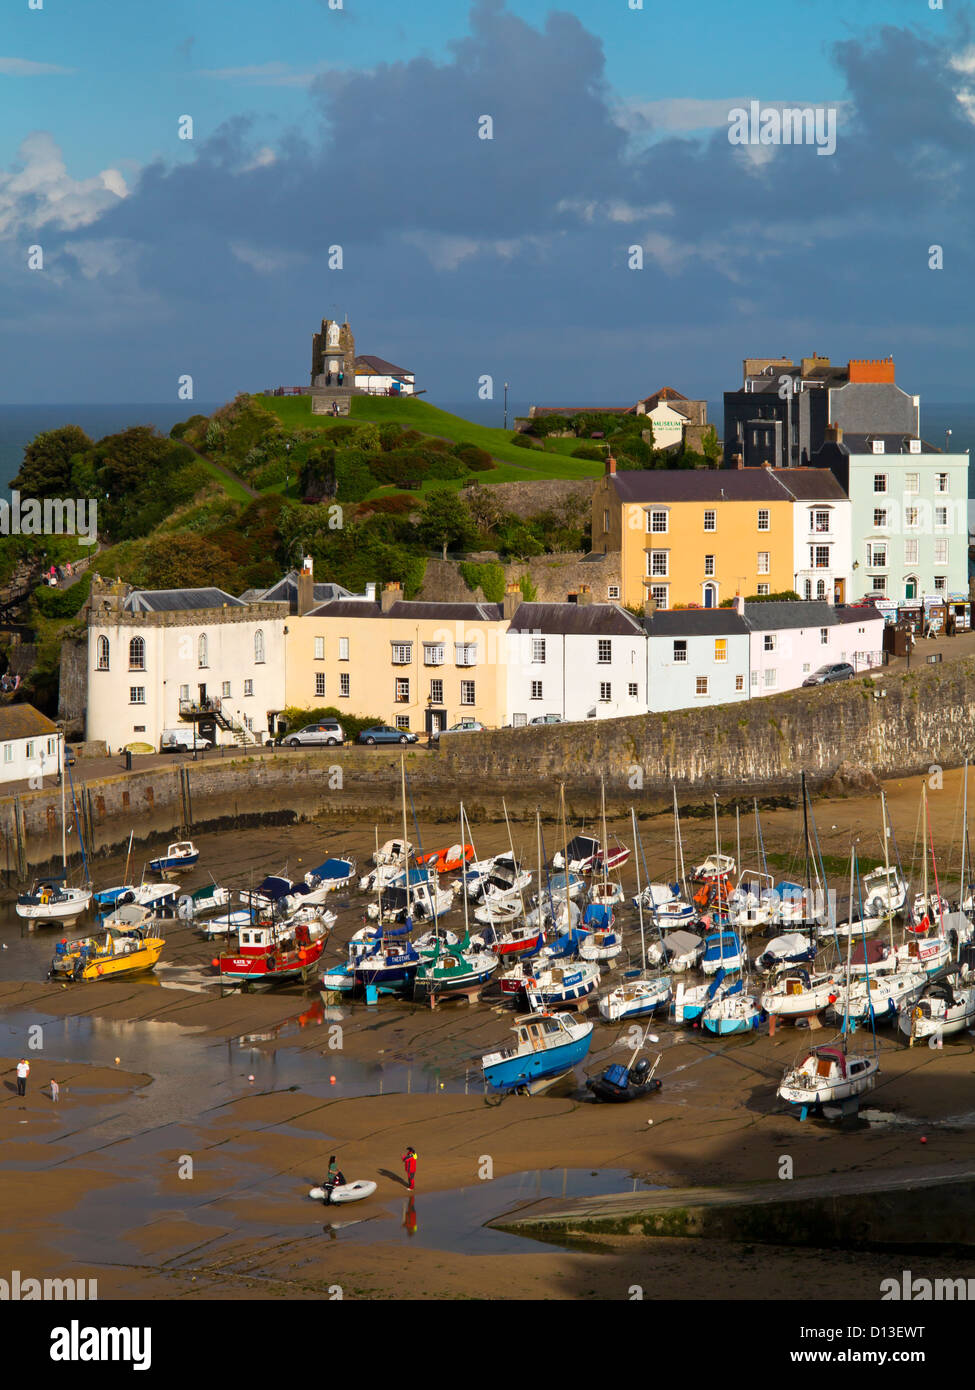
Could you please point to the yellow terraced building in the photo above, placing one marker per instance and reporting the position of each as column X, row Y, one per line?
column 694, row 537
column 415, row 665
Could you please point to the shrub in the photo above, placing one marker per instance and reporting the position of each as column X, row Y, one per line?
column 63, row 603
column 352, row 724
column 489, row 576
column 475, row 458
column 589, row 451
column 524, row 441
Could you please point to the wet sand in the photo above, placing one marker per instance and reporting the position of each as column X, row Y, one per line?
column 98, row 1185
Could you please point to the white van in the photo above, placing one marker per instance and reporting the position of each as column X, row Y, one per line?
column 183, row 740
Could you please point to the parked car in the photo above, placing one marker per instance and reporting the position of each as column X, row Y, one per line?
column 464, row 727
column 547, row 719
column 385, row 733
column 836, row 671
column 182, row 741
column 329, row 732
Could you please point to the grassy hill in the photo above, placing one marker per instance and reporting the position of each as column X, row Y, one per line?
column 514, row 463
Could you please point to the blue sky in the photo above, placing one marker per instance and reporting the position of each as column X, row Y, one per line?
column 314, row 126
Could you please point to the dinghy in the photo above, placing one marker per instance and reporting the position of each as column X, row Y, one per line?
column 344, row 1192
column 618, row 1083
column 393, row 852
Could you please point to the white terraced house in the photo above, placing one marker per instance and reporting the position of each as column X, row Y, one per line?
column 182, row 659
column 578, row 660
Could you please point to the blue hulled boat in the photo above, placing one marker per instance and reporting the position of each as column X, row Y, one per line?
column 181, row 855
column 547, row 1046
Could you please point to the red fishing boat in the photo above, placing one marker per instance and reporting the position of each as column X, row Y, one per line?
column 268, row 954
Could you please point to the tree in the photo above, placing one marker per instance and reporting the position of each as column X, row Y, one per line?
column 46, row 469
column 711, row 446
column 444, row 520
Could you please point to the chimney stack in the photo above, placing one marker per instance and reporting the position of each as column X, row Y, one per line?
column 740, row 605
column 649, row 606
column 584, row 596
column 392, row 593
column 834, row 434
column 306, row 586
column 610, row 466
column 512, row 599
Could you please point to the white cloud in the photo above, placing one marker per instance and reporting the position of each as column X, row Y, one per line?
column 265, row 260
column 23, row 67
column 42, row 192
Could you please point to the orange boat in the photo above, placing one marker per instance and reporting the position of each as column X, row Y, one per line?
column 447, row 860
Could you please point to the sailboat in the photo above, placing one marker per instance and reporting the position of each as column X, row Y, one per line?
column 51, row 899
column 452, row 970
column 566, row 915
column 830, row 1072
column 606, row 892
column 667, row 902
column 943, row 1007
column 754, row 901
column 638, row 994
column 717, row 868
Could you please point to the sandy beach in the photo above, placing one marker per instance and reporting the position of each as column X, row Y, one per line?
column 190, row 1126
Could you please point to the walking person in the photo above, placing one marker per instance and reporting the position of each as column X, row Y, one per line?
column 23, row 1072
column 409, row 1164
column 55, row 1092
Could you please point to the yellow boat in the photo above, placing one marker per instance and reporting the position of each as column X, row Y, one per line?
column 119, row 953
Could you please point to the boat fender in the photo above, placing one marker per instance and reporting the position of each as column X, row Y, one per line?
column 100, row 969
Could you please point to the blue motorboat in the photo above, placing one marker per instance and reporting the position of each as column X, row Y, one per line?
column 390, row 966
column 181, row 855
column 546, row 1047
column 331, row 874
column 269, row 894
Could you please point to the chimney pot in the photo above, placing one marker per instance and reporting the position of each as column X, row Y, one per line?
column 610, row 465
column 512, row 600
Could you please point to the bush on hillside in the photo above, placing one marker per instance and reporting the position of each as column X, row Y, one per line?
column 475, row 458
column 63, row 603
column 524, row 441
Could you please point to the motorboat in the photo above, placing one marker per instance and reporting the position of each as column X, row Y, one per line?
column 546, row 1047
column 393, row 852
column 753, row 903
column 210, row 898
column 827, row 1073
column 325, row 878
column 447, row 860
column 884, row 892
column 117, row 953
column 343, row 1192
column 580, row 855
column 270, row 894
column 182, row 854
column 715, row 868
column 421, row 899
column 227, row 923
column 51, row 900
column 267, row 953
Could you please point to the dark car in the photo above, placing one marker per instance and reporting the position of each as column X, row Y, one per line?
column 837, row 671
column 385, row 733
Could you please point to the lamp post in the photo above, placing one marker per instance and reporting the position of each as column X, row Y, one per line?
column 506, row 405
column 947, row 441
column 287, row 467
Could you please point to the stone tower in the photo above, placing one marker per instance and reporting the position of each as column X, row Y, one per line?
column 332, row 368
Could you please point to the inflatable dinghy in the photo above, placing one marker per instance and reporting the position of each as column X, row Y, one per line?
column 345, row 1192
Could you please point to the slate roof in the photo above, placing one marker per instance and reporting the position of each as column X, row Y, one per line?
column 695, row 622
column 765, row 617
column 575, row 619
column 378, row 366
column 726, row 484
column 286, row 591
column 893, row 444
column 23, row 721
column 175, row 600
column 410, row 608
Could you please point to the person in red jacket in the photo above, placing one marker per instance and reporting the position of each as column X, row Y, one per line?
column 409, row 1163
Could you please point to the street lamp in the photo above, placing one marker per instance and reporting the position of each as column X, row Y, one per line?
column 947, row 441
column 506, row 405
column 287, row 467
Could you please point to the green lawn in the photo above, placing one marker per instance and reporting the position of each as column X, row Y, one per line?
column 230, row 485
column 523, row 464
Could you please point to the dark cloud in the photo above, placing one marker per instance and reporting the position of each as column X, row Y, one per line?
column 465, row 255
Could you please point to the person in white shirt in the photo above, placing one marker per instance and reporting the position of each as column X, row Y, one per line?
column 23, row 1071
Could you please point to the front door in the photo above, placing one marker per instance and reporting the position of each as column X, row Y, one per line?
column 709, row 596
column 910, row 588
column 203, row 696
column 839, row 591
column 436, row 720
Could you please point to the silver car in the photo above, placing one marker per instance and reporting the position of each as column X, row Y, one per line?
column 328, row 731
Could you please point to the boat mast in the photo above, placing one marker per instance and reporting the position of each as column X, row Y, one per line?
column 462, row 844
column 406, row 857
column 890, row 915
column 964, row 844
column 849, row 956
column 805, row 841
column 682, row 876
column 738, row 834
column 514, row 863
column 639, row 895
column 602, row 796
column 565, row 857
column 924, row 852
column 64, row 830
